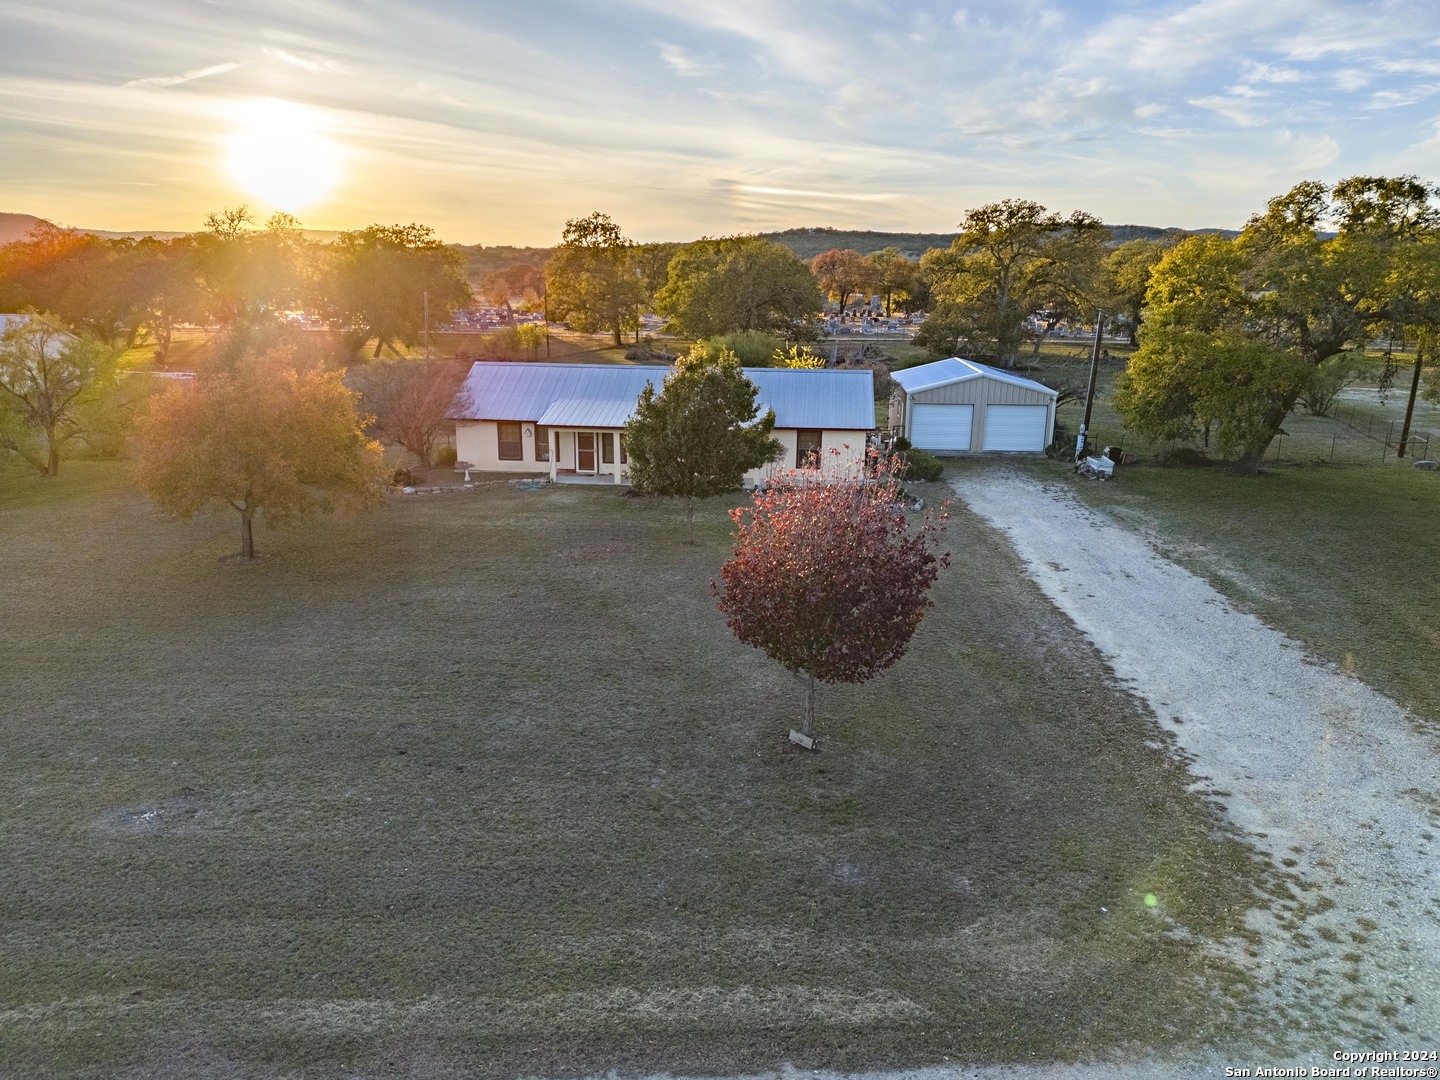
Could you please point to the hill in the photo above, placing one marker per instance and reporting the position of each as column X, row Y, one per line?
column 482, row 259
column 15, row 226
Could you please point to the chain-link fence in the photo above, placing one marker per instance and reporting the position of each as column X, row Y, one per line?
column 1362, row 428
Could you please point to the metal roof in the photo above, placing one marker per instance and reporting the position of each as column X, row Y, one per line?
column 953, row 370
column 582, row 412
column 604, row 395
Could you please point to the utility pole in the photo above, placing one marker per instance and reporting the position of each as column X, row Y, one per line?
column 1090, row 390
column 427, row 326
column 1414, row 390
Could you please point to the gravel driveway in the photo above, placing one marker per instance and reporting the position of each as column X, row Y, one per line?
column 1331, row 779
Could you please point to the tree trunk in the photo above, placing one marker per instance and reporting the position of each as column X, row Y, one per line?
column 1410, row 405
column 163, row 336
column 247, row 536
column 809, row 720
column 618, row 340
column 379, row 344
column 1248, row 463
column 52, row 459
column 689, row 519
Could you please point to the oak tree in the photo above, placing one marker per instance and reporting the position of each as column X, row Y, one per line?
column 841, row 274
column 591, row 281
column 266, row 438
column 738, row 283
column 384, row 279
column 1010, row 259
column 829, row 580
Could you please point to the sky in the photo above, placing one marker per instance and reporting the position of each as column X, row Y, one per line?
column 494, row 122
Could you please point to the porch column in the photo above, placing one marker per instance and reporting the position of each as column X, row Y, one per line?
column 553, row 435
column 615, row 435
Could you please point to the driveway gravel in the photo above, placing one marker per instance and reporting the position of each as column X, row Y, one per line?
column 1336, row 783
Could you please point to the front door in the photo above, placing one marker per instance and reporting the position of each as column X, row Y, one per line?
column 584, row 451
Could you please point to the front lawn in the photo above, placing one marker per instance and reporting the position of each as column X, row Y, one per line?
column 480, row 782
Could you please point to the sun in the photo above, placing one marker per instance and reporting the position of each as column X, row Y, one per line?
column 281, row 156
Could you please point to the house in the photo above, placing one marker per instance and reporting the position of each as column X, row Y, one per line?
column 957, row 406
column 566, row 420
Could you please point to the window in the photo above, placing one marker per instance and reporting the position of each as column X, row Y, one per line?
column 807, row 449
column 511, row 448
column 607, row 448
column 542, row 443
column 623, row 459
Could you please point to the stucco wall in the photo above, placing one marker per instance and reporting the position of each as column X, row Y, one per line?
column 478, row 442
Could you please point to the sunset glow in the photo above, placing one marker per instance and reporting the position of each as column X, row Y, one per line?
column 281, row 156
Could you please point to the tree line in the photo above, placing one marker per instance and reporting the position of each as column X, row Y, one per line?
column 371, row 283
column 1238, row 330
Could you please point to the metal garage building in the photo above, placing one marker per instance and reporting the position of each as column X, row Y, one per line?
column 958, row 407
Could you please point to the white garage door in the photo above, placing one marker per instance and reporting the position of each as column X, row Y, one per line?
column 940, row 427
column 1015, row 427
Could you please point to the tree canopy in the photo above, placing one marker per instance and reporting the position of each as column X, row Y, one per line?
column 408, row 400
column 1010, row 260
column 379, row 278
column 47, row 378
column 738, row 283
column 840, row 274
column 1237, row 331
column 829, row 580
column 266, row 438
column 591, row 280
column 700, row 433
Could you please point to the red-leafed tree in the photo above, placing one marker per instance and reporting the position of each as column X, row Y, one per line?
column 830, row 580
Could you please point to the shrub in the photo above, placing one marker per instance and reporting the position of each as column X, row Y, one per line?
column 1062, row 447
column 1328, row 379
column 754, row 347
column 921, row 466
column 445, row 456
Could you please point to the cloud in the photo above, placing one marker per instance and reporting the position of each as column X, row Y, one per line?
column 1236, row 110
column 189, row 76
column 1267, row 73
column 305, row 63
column 1393, row 99
column 682, row 63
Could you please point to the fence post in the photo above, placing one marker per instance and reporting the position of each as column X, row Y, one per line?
column 1278, row 443
column 1332, row 445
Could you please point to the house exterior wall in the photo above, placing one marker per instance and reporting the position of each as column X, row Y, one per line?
column 845, row 465
column 980, row 393
column 478, row 442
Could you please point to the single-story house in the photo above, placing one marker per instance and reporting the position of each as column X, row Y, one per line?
column 957, row 406
column 566, row 420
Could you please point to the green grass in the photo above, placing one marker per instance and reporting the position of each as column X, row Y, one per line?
column 480, row 782
column 1337, row 557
